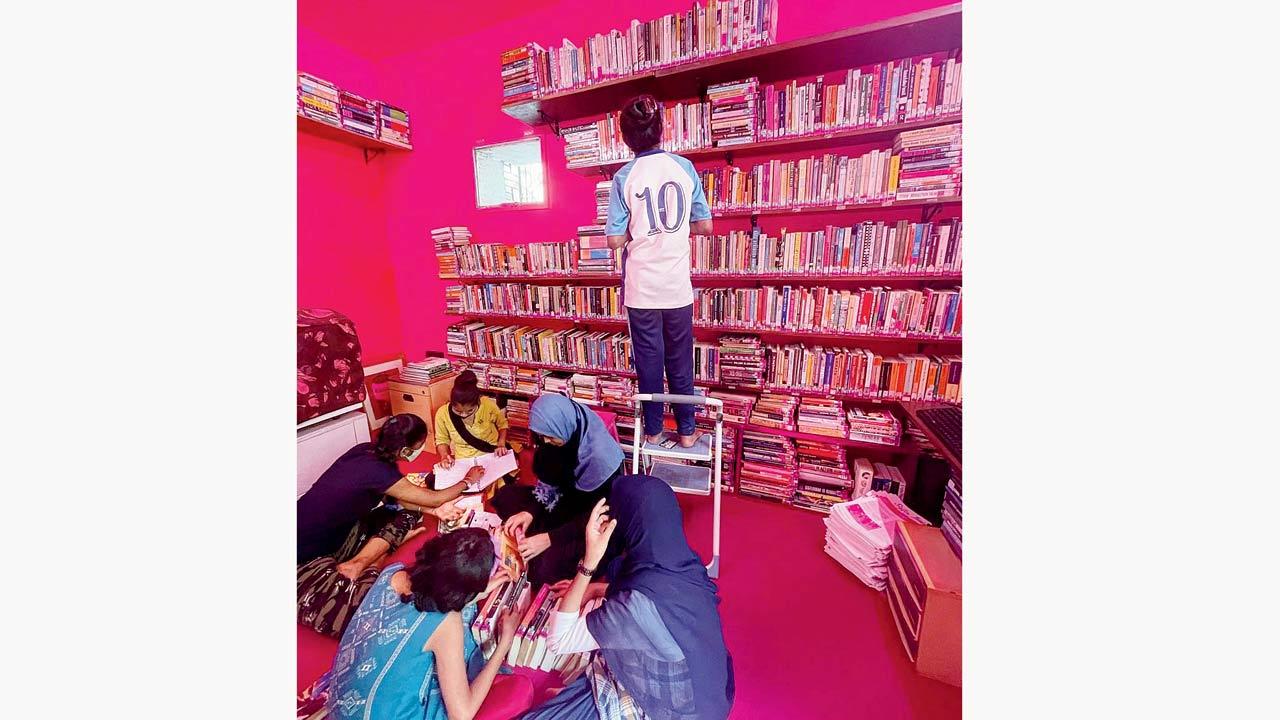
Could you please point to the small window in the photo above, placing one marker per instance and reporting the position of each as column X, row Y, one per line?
column 510, row 175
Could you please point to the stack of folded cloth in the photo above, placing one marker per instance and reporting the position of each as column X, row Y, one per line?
column 860, row 534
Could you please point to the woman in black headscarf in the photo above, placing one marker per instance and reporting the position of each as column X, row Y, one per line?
column 662, row 653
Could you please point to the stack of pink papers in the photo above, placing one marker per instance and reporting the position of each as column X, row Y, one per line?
column 860, row 534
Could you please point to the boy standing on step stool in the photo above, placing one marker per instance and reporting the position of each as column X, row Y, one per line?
column 656, row 200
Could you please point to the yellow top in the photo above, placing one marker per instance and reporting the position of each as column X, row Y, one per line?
column 484, row 424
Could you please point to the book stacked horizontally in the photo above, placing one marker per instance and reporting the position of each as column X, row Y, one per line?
column 733, row 112
column 602, row 201
column 481, row 371
column 585, row 388
column 768, row 466
column 594, row 253
column 616, row 392
column 823, row 475
column 318, row 99
column 928, row 163
column 951, row 515
column 874, row 426
column 736, row 406
column 581, row 145
column 741, row 360
column 502, row 377
column 453, row 300
column 426, row 371
column 821, row 416
column 359, row 115
column 446, row 239
column 775, row 411
column 529, row 380
column 393, row 125
column 517, row 412
column 558, row 383
column 520, row 73
column 860, row 535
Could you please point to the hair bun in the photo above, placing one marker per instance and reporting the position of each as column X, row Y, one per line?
column 466, row 377
column 644, row 107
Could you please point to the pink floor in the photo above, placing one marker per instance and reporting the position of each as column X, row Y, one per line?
column 809, row 641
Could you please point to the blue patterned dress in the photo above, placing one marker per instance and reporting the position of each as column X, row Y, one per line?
column 381, row 671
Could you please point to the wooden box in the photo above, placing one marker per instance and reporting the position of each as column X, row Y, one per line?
column 421, row 400
column 924, row 596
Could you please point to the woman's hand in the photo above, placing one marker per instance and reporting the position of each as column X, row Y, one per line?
column 594, row 590
column 599, row 530
column 518, row 522
column 474, row 475
column 507, row 625
column 532, row 547
column 446, row 460
column 501, row 450
column 447, row 512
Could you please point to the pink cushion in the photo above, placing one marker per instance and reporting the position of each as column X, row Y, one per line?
column 509, row 696
column 610, row 421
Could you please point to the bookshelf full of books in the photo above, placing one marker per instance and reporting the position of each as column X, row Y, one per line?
column 338, row 113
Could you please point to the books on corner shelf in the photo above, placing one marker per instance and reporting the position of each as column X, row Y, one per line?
column 318, row 100
column 325, row 102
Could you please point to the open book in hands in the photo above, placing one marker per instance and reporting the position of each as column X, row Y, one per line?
column 494, row 467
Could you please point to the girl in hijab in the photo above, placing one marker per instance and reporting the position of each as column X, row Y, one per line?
column 662, row 654
column 575, row 460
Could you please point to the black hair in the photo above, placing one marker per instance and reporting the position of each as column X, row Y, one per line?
column 399, row 432
column 466, row 390
column 450, row 570
column 641, row 123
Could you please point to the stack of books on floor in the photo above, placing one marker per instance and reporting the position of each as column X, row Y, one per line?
column 585, row 388
column 775, row 411
column 874, row 426
column 426, row 371
column 888, row 479
column 393, row 125
column 823, row 478
column 603, row 188
column 733, row 112
column 951, row 513
column 530, row 649
column 558, row 382
column 737, row 407
column 453, row 304
column 582, row 145
column 928, row 163
column 860, row 535
column 502, row 378
column 529, row 380
column 706, row 362
column 768, row 466
column 594, row 253
column 520, row 73
column 513, row 596
column 818, row 181
column 359, row 115
column 741, row 360
column 616, row 392
column 318, row 100
column 447, row 240
column 821, row 416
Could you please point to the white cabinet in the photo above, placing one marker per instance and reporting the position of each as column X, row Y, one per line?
column 319, row 445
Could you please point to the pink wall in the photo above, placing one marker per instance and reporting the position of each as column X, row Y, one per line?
column 344, row 262
column 451, row 91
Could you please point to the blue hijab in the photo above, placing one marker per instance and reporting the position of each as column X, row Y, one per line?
column 599, row 455
column 658, row 562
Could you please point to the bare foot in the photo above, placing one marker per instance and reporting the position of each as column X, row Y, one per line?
column 655, row 439
column 350, row 569
column 688, row 441
column 413, row 534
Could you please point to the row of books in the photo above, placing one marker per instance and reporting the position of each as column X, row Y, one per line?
column 829, row 179
column 904, row 90
column 860, row 534
column 719, row 27
column 775, row 411
column 685, row 126
column 864, row 373
column 867, row 247
column 733, row 112
column 879, row 310
column 952, row 516
column 929, row 162
column 325, row 102
column 532, row 258
column 577, row 348
column 447, row 240
column 531, row 646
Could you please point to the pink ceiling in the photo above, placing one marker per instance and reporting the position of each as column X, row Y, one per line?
column 376, row 30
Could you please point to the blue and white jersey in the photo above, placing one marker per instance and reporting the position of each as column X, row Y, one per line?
column 654, row 198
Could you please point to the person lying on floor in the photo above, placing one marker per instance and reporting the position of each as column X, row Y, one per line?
column 575, row 460
column 344, row 527
column 662, row 653
column 407, row 652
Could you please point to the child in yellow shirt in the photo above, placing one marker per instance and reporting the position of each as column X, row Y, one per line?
column 470, row 424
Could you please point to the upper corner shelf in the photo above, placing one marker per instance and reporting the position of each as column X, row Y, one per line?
column 928, row 31
column 315, row 127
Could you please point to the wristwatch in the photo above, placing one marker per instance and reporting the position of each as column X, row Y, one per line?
column 585, row 571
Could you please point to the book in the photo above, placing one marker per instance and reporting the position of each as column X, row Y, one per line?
column 319, row 100
column 828, row 180
column 871, row 247
column 495, row 466
column 393, row 125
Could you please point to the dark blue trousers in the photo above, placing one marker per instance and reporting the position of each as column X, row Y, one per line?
column 663, row 339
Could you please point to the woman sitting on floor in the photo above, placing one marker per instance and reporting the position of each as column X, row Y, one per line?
column 575, row 461
column 406, row 653
column 344, row 527
column 662, row 654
